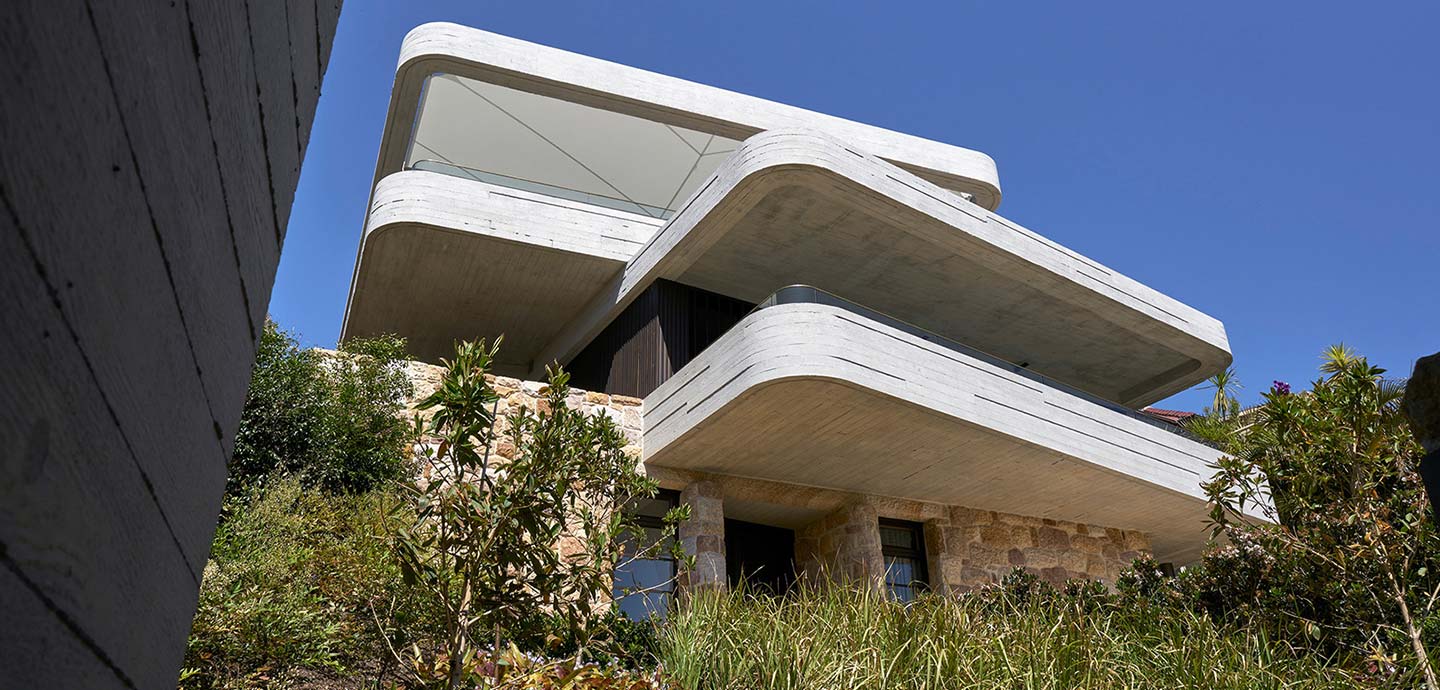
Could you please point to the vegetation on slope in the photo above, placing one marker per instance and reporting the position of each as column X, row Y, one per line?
column 323, row 573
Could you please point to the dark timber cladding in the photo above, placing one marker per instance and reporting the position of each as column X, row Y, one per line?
column 661, row 331
column 152, row 153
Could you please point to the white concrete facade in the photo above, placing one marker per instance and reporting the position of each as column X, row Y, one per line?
column 1037, row 420
column 819, row 396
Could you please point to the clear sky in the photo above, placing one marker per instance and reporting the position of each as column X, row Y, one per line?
column 1271, row 164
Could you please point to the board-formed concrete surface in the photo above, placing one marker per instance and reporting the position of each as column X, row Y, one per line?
column 801, row 207
column 821, row 396
column 445, row 258
column 152, row 153
column 460, row 50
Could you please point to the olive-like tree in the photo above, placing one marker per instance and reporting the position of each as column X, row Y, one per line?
column 1349, row 543
column 481, row 533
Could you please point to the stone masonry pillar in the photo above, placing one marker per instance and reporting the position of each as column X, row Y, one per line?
column 703, row 536
column 843, row 546
column 935, row 552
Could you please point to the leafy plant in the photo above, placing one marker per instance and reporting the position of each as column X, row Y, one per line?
column 332, row 420
column 1346, row 554
column 493, row 540
column 292, row 579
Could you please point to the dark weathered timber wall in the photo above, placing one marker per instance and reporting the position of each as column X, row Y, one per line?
column 151, row 153
column 661, row 331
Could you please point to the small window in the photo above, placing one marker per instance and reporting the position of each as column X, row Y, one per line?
column 903, row 546
column 644, row 587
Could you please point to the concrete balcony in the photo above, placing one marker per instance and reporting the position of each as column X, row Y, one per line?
column 445, row 258
column 542, row 71
column 801, row 207
column 825, row 394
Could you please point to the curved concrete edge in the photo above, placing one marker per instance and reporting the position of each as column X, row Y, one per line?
column 791, row 344
column 776, row 158
column 464, row 51
column 439, row 203
column 810, row 341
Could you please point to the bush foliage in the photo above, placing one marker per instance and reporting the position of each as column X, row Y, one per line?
column 333, row 421
column 483, row 537
column 327, row 561
column 295, row 580
column 1328, row 538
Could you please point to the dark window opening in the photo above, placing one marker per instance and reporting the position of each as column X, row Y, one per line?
column 644, row 587
column 761, row 556
column 903, row 546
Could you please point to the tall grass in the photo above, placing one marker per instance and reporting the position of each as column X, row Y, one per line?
column 840, row 638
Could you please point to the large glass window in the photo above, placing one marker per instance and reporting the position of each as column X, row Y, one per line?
column 503, row 136
column 644, row 587
column 903, row 546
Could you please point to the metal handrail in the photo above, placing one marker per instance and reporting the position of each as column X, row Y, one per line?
column 455, row 170
column 808, row 294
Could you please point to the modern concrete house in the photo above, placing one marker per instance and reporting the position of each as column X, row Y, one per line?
column 845, row 360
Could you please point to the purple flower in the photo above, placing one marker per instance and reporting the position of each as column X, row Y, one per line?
column 1280, row 387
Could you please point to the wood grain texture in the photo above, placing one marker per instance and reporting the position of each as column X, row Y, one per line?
column 818, row 396
column 669, row 325
column 144, row 194
column 88, row 225
column 39, row 648
column 166, row 124
column 445, row 258
column 78, row 516
column 222, row 29
column 792, row 207
column 276, row 90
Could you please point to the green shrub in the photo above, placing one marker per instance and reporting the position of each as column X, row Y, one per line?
column 480, row 535
column 333, row 421
column 1347, row 561
column 296, row 580
column 284, row 421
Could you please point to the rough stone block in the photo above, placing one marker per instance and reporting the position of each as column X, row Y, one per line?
column 1052, row 538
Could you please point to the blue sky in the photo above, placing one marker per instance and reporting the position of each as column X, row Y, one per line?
column 1271, row 164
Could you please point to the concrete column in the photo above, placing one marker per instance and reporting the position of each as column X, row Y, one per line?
column 703, row 536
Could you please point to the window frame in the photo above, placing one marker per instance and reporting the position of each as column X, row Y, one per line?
column 648, row 522
column 920, row 582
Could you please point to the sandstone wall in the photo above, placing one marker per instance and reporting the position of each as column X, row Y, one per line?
column 978, row 547
column 515, row 394
column 965, row 547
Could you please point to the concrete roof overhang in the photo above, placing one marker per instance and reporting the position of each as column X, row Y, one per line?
column 800, row 207
column 445, row 258
column 463, row 51
column 820, row 396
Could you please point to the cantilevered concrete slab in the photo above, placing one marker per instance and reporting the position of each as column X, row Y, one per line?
column 444, row 258
column 800, row 207
column 822, row 396
column 466, row 52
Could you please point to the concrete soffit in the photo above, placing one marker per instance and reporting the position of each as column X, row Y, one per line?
column 464, row 51
column 697, row 246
